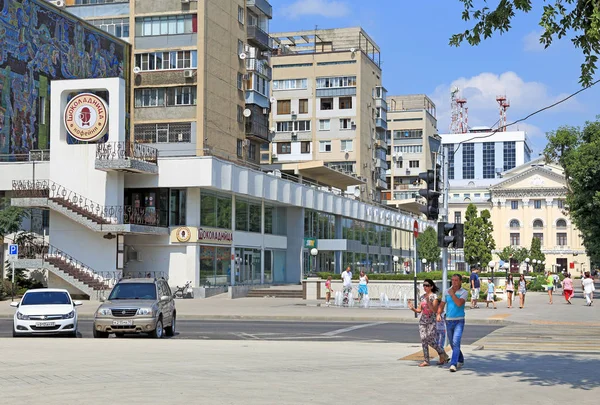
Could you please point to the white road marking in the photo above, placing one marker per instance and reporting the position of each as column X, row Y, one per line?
column 351, row 328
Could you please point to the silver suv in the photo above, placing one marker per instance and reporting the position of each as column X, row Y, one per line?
column 142, row 305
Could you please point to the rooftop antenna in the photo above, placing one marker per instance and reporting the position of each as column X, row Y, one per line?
column 460, row 113
column 503, row 104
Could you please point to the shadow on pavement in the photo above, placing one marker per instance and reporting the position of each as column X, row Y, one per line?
column 541, row 369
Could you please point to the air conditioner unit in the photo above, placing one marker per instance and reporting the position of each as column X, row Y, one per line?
column 188, row 73
column 58, row 3
column 352, row 123
column 180, row 137
column 185, row 1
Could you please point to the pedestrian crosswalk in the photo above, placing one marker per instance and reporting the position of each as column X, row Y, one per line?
column 545, row 337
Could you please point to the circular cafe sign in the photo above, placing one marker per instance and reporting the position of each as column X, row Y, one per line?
column 184, row 234
column 86, row 117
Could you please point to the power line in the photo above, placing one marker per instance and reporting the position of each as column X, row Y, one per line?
column 527, row 117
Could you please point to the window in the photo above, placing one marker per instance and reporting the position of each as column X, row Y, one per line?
column 302, row 126
column 284, row 107
column 457, row 217
column 167, row 60
column 537, row 204
column 407, row 133
column 413, row 164
column 450, row 149
column 468, row 161
column 289, row 126
column 240, row 148
column 330, row 82
column 240, row 81
column 514, row 205
column 119, row 27
column 166, row 25
column 252, row 151
column 325, row 146
column 324, row 125
column 539, row 236
column 303, row 106
column 215, row 211
column 345, row 103
column 284, row 148
column 560, row 204
column 345, row 123
column 327, row 104
column 163, row 133
column 170, row 96
column 241, row 15
column 489, row 160
column 304, row 147
column 510, row 155
column 290, row 84
column 408, row 149
column 177, row 207
column 285, row 126
column 514, row 223
column 515, row 239
column 561, row 239
column 399, row 164
column 240, row 114
column 538, row 223
column 561, row 223
column 149, row 97
column 346, row 145
column 259, row 84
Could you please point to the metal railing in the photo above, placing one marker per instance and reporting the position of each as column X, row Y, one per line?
column 146, row 274
column 35, row 155
column 259, row 36
column 260, row 66
column 126, row 150
column 106, row 214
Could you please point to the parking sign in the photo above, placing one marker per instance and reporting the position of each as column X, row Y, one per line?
column 13, row 250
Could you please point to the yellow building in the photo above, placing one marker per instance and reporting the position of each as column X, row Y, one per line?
column 526, row 202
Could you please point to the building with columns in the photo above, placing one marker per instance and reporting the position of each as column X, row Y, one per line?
column 526, row 202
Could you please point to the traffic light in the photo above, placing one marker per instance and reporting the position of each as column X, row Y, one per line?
column 432, row 193
column 451, row 234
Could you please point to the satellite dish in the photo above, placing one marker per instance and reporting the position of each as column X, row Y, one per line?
column 272, row 99
column 273, row 129
column 137, row 70
column 356, row 192
column 352, row 50
column 242, row 55
column 247, row 112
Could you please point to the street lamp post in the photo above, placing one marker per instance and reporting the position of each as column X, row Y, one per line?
column 314, row 252
column 544, row 265
column 527, row 260
column 491, row 265
column 396, row 258
column 424, row 261
column 534, row 263
column 506, row 266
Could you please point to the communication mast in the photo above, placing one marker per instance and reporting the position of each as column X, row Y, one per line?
column 503, row 104
column 460, row 113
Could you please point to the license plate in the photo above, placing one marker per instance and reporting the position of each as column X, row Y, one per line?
column 124, row 322
column 44, row 324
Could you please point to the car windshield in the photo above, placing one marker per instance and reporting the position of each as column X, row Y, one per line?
column 46, row 298
column 133, row 291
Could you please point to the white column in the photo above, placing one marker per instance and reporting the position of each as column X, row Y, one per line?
column 262, row 242
column 233, row 263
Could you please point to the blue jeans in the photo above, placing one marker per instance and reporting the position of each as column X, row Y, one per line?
column 454, row 330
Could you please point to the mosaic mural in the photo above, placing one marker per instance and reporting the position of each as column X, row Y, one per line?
column 39, row 44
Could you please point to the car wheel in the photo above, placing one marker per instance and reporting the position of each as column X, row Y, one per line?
column 170, row 330
column 15, row 333
column 157, row 333
column 73, row 334
column 100, row 335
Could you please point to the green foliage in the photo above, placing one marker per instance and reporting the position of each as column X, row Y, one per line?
column 427, row 246
column 536, row 250
column 521, row 254
column 10, row 218
column 479, row 242
column 506, row 253
column 577, row 151
column 578, row 19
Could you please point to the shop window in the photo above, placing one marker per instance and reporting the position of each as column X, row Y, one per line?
column 177, row 211
column 241, row 215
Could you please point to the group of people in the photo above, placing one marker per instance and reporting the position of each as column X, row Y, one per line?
column 363, row 289
column 587, row 285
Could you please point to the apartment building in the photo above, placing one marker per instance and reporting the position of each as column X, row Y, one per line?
column 201, row 71
column 328, row 113
column 413, row 147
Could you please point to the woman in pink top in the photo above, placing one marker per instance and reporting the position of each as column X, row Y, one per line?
column 567, row 285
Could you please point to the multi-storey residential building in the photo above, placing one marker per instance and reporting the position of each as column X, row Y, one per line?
column 329, row 110
column 201, row 71
column 413, row 147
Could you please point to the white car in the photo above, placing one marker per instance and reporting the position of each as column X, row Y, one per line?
column 45, row 311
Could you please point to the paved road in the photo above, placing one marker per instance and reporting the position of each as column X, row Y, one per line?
column 293, row 331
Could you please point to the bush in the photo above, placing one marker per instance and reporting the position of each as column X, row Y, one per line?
column 5, row 288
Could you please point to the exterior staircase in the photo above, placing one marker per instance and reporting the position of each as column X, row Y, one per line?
column 82, row 277
column 282, row 292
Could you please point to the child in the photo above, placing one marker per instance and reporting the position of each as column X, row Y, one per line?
column 328, row 290
column 490, row 295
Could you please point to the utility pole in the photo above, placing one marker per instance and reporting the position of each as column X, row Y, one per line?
column 444, row 213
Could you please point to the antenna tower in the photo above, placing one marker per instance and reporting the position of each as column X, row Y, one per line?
column 460, row 113
column 503, row 104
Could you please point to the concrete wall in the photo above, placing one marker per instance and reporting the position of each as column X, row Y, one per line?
column 295, row 226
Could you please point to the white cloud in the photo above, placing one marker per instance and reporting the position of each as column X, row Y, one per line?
column 531, row 42
column 481, row 91
column 323, row 8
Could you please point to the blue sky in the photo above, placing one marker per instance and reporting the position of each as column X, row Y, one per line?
column 413, row 36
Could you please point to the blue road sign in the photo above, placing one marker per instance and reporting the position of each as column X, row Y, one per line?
column 13, row 250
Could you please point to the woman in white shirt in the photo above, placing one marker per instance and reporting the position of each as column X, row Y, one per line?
column 588, row 288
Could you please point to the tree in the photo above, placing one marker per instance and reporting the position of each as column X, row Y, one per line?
column 578, row 19
column 427, row 246
column 535, row 252
column 477, row 240
column 488, row 232
column 10, row 218
column 506, row 254
column 520, row 255
column 577, row 151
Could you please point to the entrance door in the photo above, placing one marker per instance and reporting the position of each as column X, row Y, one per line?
column 561, row 264
column 246, row 269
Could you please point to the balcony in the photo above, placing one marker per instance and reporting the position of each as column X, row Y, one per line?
column 259, row 66
column 381, row 184
column 380, row 143
column 259, row 38
column 381, row 103
column 126, row 157
column 258, row 131
column 260, row 6
column 337, row 92
column 381, row 123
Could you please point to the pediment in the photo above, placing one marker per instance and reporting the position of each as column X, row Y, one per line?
column 533, row 178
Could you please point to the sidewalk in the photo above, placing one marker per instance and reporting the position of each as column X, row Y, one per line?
column 536, row 311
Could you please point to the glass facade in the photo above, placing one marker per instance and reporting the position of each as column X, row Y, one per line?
column 215, row 210
column 468, row 161
column 510, row 155
column 489, row 160
column 215, row 266
column 450, row 151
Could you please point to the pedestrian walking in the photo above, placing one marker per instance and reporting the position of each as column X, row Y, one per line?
column 455, row 298
column 588, row 288
column 328, row 290
column 510, row 289
column 522, row 290
column 428, row 307
column 363, row 290
column 567, row 285
column 490, row 294
column 347, row 284
column 550, row 285
column 475, row 285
